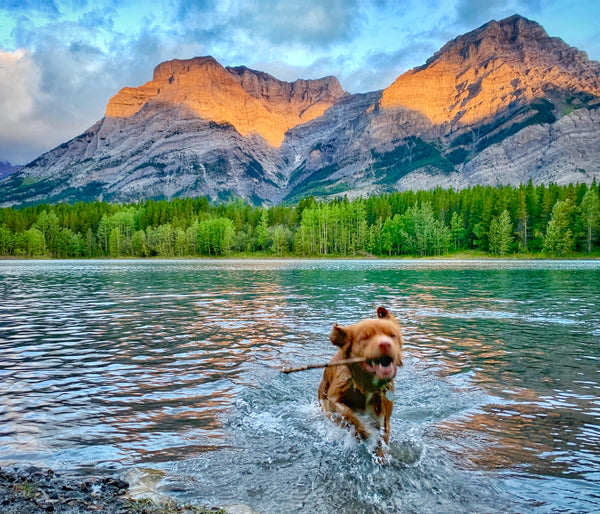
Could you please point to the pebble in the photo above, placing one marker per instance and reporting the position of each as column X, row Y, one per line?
column 36, row 491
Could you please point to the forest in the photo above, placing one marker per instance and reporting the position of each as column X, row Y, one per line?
column 525, row 221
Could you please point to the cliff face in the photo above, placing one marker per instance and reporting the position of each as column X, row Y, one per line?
column 501, row 66
column 251, row 102
column 500, row 105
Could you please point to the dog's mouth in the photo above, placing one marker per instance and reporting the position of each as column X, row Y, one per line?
column 383, row 367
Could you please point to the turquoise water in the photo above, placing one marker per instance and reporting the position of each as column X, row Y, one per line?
column 175, row 365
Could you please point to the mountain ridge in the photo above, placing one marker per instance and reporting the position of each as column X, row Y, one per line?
column 502, row 104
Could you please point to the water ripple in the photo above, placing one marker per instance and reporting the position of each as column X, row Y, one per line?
column 176, row 365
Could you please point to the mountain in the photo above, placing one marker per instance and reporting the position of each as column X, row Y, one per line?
column 6, row 169
column 502, row 104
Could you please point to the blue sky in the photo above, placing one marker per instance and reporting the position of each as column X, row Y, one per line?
column 61, row 61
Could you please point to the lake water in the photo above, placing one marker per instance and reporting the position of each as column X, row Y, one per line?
column 175, row 366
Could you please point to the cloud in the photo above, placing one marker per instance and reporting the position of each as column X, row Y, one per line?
column 592, row 44
column 18, row 79
column 357, row 74
column 60, row 87
column 81, row 55
column 42, row 6
column 378, row 70
column 315, row 23
column 186, row 9
column 20, row 129
column 473, row 13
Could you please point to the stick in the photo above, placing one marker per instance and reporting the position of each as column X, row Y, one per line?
column 315, row 366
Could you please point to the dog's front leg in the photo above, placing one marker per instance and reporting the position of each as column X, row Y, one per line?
column 343, row 415
column 384, row 439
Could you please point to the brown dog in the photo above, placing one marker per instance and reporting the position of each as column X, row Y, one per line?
column 361, row 394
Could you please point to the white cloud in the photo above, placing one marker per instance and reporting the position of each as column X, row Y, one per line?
column 20, row 128
column 314, row 23
column 18, row 84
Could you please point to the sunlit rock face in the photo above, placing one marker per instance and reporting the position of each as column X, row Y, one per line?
column 500, row 66
column 503, row 104
column 250, row 101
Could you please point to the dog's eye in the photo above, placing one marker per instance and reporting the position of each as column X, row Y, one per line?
column 393, row 336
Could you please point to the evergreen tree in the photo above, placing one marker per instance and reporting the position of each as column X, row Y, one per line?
column 403, row 223
column 49, row 226
column 115, row 241
column 523, row 226
column 500, row 234
column 263, row 235
column 6, row 241
column 103, row 234
column 457, row 228
column 34, row 243
column 590, row 216
column 559, row 238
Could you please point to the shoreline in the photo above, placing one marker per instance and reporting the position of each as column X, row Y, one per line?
column 261, row 257
column 39, row 490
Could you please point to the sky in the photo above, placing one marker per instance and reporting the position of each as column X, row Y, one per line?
column 62, row 60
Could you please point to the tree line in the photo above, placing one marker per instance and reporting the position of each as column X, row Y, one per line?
column 546, row 220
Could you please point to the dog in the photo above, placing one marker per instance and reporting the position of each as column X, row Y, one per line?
column 360, row 395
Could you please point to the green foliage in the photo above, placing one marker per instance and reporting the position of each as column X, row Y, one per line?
column 415, row 153
column 590, row 217
column 559, row 239
column 458, row 230
column 458, row 156
column 462, row 140
column 555, row 220
column 500, row 236
column 215, row 236
column 421, row 234
column 337, row 228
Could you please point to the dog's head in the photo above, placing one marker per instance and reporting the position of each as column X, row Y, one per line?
column 379, row 341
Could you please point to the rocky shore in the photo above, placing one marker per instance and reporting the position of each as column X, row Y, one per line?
column 36, row 491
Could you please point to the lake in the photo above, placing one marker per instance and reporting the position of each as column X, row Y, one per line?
column 175, row 365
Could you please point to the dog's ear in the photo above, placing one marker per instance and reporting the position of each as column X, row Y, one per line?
column 338, row 335
column 383, row 313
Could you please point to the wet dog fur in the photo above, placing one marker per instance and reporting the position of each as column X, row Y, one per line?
column 361, row 395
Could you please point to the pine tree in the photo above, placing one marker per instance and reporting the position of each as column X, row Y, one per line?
column 49, row 225
column 457, row 228
column 590, row 215
column 523, row 225
column 262, row 231
column 500, row 234
column 559, row 238
column 6, row 240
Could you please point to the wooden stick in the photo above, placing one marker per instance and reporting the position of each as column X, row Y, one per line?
column 316, row 366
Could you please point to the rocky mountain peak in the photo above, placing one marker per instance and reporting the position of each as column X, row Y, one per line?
column 261, row 85
column 252, row 102
column 503, row 104
column 499, row 67
column 514, row 39
column 167, row 70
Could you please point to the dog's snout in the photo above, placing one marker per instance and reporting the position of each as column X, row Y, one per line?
column 385, row 347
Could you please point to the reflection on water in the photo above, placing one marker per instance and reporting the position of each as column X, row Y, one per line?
column 175, row 365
